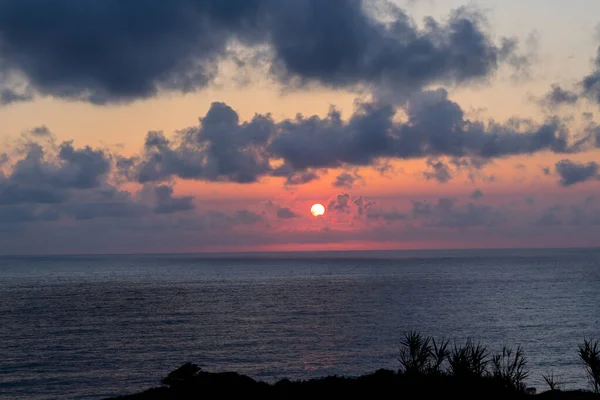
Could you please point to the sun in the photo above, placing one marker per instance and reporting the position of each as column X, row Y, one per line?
column 317, row 210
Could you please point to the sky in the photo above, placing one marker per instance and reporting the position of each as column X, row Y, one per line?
column 214, row 125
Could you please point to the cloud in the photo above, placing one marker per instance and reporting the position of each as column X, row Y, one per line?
column 388, row 216
column 440, row 171
column 120, row 51
column 43, row 175
column 222, row 148
column 347, row 179
column 337, row 43
column 166, row 203
column 572, row 173
column 362, row 205
column 340, row 203
column 586, row 88
column 550, row 217
column 286, row 213
column 27, row 213
column 41, row 131
column 477, row 194
column 585, row 214
column 245, row 217
column 446, row 213
column 558, row 96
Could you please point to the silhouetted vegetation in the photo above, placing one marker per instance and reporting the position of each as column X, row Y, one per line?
column 428, row 368
column 589, row 352
column 552, row 381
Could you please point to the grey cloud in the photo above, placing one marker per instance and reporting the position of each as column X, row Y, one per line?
column 119, row 51
column 224, row 149
column 299, row 178
column 40, row 131
column 550, row 217
column 362, row 205
column 245, row 217
column 584, row 216
column 571, row 173
column 340, row 203
column 546, row 170
column 477, row 194
column 36, row 178
column 388, row 216
column 221, row 148
column 26, row 213
column 448, row 214
column 122, row 51
column 558, row 96
column 338, row 44
column 440, row 171
column 347, row 180
column 286, row 213
column 436, row 127
column 591, row 83
column 587, row 88
column 10, row 96
column 166, row 203
column 104, row 209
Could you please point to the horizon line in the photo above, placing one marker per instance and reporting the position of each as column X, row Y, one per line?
column 237, row 253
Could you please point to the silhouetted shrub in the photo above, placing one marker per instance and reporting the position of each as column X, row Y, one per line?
column 589, row 352
column 552, row 381
column 422, row 354
column 469, row 360
column 415, row 353
column 510, row 368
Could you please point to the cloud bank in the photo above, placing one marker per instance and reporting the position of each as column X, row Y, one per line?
column 116, row 52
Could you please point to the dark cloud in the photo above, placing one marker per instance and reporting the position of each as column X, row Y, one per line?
column 245, row 217
column 447, row 213
column 436, row 127
column 347, row 179
column 26, row 213
column 286, row 213
column 591, row 83
column 220, row 149
column 112, row 51
column 9, row 96
column 166, row 203
column 439, row 171
column 119, row 51
column 224, row 149
column 558, row 96
column 104, row 209
column 40, row 131
column 584, row 215
column 338, row 44
column 572, row 173
column 340, row 203
column 362, row 205
column 546, row 170
column 586, row 88
column 477, row 194
column 389, row 216
column 39, row 177
column 550, row 217
column 294, row 178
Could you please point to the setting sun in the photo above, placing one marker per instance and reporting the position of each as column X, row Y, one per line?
column 317, row 210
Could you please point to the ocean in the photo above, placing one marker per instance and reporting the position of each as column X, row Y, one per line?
column 90, row 327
